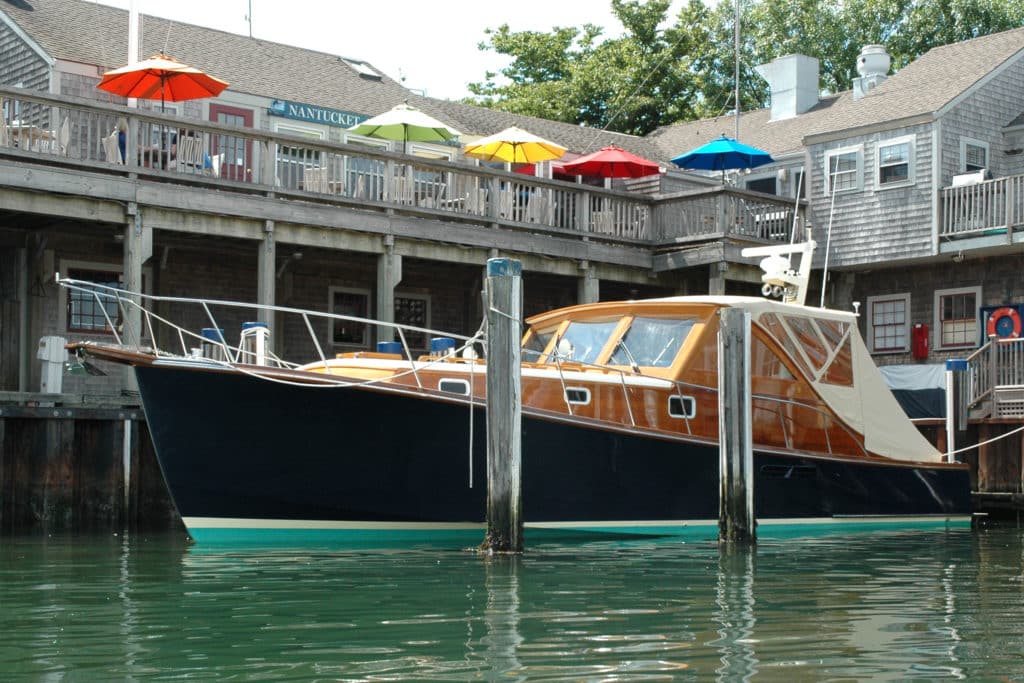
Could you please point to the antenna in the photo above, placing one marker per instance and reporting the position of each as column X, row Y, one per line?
column 248, row 17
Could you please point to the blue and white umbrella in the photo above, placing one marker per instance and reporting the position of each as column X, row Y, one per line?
column 721, row 154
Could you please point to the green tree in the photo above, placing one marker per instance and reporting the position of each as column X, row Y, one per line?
column 661, row 71
column 648, row 77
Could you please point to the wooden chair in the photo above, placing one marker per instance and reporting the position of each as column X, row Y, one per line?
column 190, row 154
column 314, row 179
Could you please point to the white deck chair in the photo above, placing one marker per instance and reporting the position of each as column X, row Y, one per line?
column 216, row 161
column 64, row 136
column 537, row 208
column 111, row 149
column 314, row 179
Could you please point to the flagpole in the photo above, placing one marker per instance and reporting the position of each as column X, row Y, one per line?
column 133, row 41
column 737, row 70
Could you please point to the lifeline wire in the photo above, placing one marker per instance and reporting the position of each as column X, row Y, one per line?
column 984, row 443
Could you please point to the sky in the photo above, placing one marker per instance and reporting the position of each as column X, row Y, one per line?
column 431, row 45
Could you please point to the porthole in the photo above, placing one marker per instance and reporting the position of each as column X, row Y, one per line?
column 454, row 386
column 577, row 395
column 682, row 406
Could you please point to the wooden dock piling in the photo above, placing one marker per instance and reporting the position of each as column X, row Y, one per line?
column 736, row 452
column 504, row 406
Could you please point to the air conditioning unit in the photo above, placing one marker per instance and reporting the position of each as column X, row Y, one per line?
column 972, row 178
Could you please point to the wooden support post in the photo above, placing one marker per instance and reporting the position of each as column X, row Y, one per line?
column 736, row 454
column 504, row 406
column 266, row 275
column 389, row 275
column 589, row 286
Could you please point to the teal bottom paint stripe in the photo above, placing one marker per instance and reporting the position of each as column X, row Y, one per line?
column 472, row 537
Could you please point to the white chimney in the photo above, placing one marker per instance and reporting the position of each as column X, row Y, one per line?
column 873, row 66
column 793, row 81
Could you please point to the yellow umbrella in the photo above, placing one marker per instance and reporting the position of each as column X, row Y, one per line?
column 514, row 145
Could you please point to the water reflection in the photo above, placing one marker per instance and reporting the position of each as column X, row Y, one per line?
column 919, row 606
column 734, row 598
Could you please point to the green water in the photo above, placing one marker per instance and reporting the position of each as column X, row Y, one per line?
column 922, row 605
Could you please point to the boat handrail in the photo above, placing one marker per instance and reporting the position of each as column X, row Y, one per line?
column 152, row 322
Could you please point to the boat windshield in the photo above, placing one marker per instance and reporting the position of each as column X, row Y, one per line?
column 583, row 341
column 651, row 342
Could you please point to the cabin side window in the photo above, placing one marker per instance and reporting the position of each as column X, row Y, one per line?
column 651, row 342
column 535, row 343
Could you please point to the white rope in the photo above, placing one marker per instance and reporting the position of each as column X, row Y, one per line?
column 984, row 443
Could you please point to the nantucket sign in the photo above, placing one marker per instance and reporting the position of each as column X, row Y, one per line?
column 314, row 114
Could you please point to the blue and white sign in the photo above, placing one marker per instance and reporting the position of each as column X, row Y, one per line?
column 314, row 114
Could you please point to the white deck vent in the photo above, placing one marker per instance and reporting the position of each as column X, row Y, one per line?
column 873, row 66
column 793, row 81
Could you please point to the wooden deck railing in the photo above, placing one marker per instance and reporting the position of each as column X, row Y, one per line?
column 995, row 379
column 726, row 212
column 75, row 131
column 991, row 207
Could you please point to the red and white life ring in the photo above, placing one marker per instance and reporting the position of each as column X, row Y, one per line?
column 997, row 328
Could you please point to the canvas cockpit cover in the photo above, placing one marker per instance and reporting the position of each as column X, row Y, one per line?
column 827, row 347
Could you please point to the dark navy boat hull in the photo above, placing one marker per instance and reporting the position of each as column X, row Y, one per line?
column 250, row 451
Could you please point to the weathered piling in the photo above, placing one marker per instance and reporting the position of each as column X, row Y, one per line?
column 735, row 439
column 504, row 406
column 955, row 367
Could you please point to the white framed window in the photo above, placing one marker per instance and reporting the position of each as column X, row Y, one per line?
column 973, row 155
column 956, row 317
column 414, row 310
column 844, row 169
column 364, row 176
column 894, row 162
column 351, row 302
column 888, row 319
column 292, row 161
column 83, row 313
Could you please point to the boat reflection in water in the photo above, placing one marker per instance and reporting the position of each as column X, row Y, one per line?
column 619, row 426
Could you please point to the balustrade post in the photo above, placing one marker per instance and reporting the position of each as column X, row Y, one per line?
column 723, row 213
column 1009, row 210
column 583, row 213
column 993, row 371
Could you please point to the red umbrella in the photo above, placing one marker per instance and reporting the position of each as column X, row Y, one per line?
column 611, row 162
column 161, row 78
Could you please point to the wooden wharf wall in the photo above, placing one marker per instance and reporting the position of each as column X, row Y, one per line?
column 62, row 470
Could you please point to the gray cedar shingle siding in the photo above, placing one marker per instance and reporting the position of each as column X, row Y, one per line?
column 982, row 117
column 21, row 64
column 876, row 223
